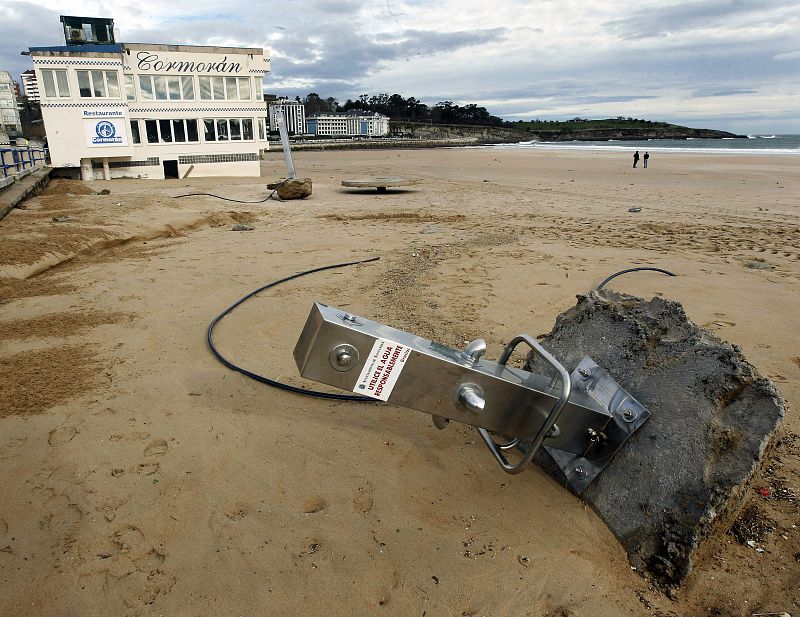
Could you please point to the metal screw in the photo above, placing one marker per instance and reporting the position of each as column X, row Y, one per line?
column 580, row 471
column 349, row 317
column 585, row 373
column 629, row 415
column 344, row 359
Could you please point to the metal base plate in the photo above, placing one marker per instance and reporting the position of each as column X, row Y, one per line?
column 627, row 415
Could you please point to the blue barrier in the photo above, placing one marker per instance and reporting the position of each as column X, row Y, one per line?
column 19, row 159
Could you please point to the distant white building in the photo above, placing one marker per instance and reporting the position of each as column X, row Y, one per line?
column 9, row 114
column 150, row 110
column 348, row 124
column 30, row 85
column 293, row 111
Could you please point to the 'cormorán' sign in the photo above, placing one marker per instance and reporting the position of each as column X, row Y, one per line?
column 149, row 61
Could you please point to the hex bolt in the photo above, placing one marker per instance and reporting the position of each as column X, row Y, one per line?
column 580, row 471
column 585, row 373
column 343, row 359
column 629, row 415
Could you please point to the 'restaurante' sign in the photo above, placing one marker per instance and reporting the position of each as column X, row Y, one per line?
column 149, row 61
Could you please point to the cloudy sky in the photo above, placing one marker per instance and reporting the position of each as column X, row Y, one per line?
column 728, row 64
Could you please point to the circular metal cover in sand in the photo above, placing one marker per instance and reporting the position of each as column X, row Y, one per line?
column 380, row 182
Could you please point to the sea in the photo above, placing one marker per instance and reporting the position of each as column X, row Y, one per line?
column 752, row 144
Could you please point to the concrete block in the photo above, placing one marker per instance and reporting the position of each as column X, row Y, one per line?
column 682, row 477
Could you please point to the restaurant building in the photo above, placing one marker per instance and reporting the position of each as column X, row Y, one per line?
column 148, row 110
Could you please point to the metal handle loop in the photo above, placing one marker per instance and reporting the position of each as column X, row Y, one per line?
column 552, row 417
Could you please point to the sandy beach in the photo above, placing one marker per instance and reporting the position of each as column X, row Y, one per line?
column 141, row 477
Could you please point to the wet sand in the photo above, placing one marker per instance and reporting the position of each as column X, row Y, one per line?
column 141, row 477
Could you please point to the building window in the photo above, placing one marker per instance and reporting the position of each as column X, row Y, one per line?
column 130, row 90
column 230, row 129
column 135, row 136
column 170, row 131
column 55, row 83
column 191, row 130
column 165, row 128
column 208, row 124
column 222, row 130
column 262, row 129
column 247, row 129
column 151, row 128
column 225, row 88
column 98, row 84
column 167, row 87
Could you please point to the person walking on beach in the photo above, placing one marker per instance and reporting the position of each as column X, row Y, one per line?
column 635, row 158
column 644, row 159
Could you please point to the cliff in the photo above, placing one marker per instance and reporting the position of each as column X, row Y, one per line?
column 554, row 131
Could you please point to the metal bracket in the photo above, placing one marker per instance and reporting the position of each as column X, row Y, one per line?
column 594, row 414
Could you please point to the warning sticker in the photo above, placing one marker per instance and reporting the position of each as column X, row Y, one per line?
column 384, row 365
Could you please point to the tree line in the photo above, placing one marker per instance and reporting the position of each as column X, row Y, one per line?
column 398, row 107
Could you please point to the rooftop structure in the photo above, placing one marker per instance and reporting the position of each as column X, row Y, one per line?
column 87, row 30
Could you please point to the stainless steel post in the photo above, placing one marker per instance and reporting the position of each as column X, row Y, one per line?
column 280, row 120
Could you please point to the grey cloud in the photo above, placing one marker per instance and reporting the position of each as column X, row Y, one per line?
column 25, row 25
column 686, row 16
column 703, row 92
column 429, row 41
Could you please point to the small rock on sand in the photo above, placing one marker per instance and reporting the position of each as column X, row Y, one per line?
column 242, row 227
column 104, row 192
column 65, row 219
column 297, row 188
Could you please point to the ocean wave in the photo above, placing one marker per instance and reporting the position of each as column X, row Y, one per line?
column 597, row 147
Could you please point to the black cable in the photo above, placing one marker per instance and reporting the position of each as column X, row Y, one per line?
column 621, row 272
column 238, row 201
column 267, row 380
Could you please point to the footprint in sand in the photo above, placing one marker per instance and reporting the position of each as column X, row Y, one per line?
column 362, row 499
column 110, row 506
column 61, row 435
column 128, row 539
column 135, row 570
column 157, row 447
column 238, row 510
column 147, row 469
column 312, row 505
column 718, row 324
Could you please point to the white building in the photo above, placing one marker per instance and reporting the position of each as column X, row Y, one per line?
column 293, row 111
column 9, row 114
column 30, row 85
column 350, row 123
column 151, row 111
